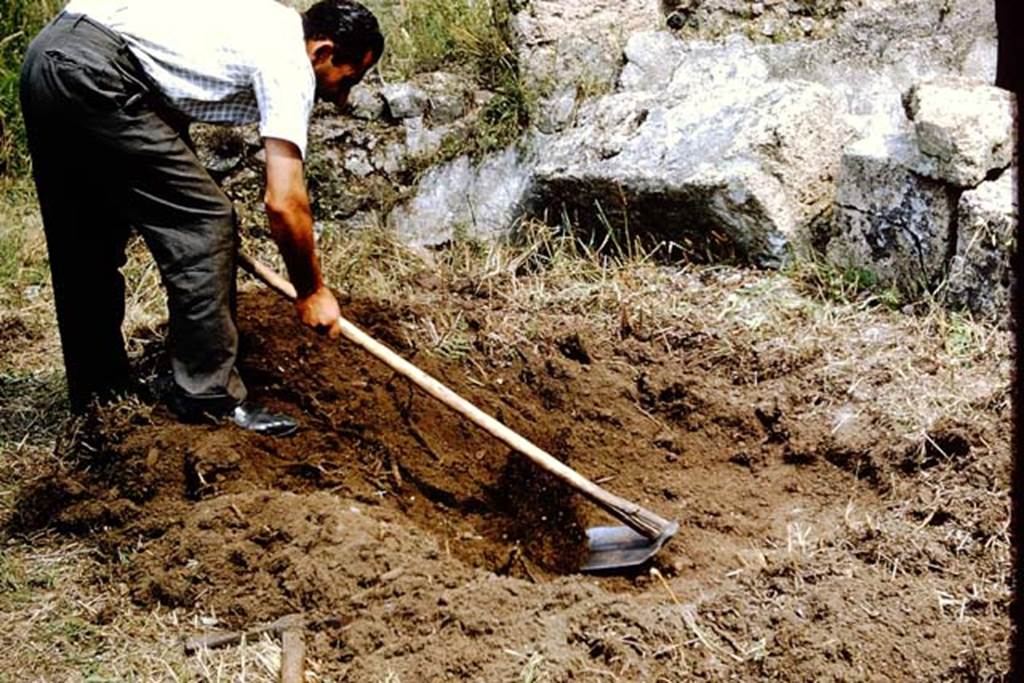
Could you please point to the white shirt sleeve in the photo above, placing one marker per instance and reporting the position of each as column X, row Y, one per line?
column 285, row 87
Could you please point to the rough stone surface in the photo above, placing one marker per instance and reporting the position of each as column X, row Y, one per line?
column 981, row 273
column 744, row 168
column 449, row 96
column 466, row 199
column 421, row 140
column 575, row 44
column 965, row 127
column 874, row 55
column 357, row 162
column 769, row 20
column 365, row 102
column 885, row 47
column 404, row 100
column 391, row 158
column 891, row 220
column 659, row 62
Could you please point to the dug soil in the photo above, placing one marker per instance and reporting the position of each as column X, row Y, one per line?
column 421, row 549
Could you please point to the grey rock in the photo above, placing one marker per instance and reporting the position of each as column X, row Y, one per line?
column 575, row 44
column 366, row 103
column 482, row 97
column 391, row 158
column 751, row 167
column 557, row 111
column 891, row 220
column 357, row 162
column 660, row 62
column 967, row 128
column 448, row 95
column 423, row 141
column 880, row 50
column 876, row 54
column 652, row 57
column 465, row 199
column 404, row 100
column 981, row 273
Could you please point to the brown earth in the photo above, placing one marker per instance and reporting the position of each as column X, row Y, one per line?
column 422, row 549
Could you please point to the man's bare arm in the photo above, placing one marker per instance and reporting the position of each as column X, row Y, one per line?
column 291, row 226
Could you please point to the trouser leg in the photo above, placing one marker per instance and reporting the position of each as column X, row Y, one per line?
column 79, row 80
column 86, row 251
column 85, row 255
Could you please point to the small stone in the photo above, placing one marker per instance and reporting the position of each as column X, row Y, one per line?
column 357, row 162
column 482, row 97
column 965, row 127
column 676, row 21
column 806, row 24
column 391, row 158
column 981, row 272
column 421, row 140
column 366, row 103
column 448, row 95
column 556, row 111
column 404, row 100
column 757, row 9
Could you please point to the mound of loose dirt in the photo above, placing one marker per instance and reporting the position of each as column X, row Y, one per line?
column 419, row 546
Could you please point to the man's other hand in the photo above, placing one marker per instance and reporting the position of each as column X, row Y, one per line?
column 320, row 311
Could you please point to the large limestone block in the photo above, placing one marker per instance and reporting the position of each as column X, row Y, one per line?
column 658, row 61
column 463, row 199
column 891, row 220
column 981, row 272
column 965, row 127
column 745, row 169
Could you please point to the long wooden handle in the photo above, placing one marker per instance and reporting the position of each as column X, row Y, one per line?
column 636, row 517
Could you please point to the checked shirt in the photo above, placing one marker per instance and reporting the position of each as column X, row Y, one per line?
column 220, row 61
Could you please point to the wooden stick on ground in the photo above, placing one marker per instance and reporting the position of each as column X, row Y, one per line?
column 293, row 655
column 212, row 641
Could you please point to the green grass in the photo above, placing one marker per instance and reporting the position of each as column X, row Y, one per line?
column 466, row 36
column 430, row 35
column 20, row 20
column 23, row 264
column 843, row 285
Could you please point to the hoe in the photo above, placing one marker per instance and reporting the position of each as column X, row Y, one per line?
column 609, row 548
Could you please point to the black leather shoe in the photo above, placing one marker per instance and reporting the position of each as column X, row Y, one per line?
column 256, row 418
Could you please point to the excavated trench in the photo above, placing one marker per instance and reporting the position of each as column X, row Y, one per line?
column 388, row 515
column 625, row 417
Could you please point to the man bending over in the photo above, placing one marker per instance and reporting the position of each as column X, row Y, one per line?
column 108, row 89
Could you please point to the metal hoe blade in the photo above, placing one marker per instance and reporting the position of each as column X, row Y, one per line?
column 619, row 547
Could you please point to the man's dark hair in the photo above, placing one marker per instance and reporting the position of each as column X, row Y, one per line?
column 351, row 27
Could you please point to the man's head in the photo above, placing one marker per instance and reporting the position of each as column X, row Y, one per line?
column 344, row 41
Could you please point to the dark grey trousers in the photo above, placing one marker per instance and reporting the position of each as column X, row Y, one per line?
column 106, row 158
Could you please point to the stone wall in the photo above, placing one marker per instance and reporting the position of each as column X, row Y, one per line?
column 865, row 132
